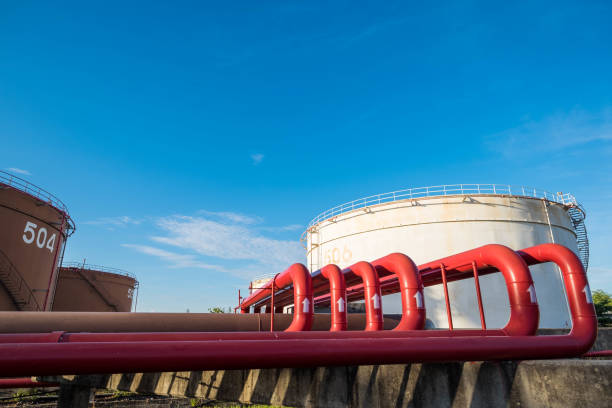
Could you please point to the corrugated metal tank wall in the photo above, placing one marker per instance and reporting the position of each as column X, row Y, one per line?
column 433, row 227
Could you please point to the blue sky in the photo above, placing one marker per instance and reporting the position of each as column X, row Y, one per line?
column 192, row 143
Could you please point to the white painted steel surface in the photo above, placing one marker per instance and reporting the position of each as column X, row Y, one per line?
column 429, row 228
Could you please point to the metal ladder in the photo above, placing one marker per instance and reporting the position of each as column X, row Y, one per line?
column 17, row 288
column 577, row 216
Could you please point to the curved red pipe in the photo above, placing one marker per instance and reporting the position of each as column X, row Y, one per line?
column 524, row 310
column 324, row 350
column 411, row 288
column 584, row 318
column 373, row 296
column 298, row 275
column 337, row 290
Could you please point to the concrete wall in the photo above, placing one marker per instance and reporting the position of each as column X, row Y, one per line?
column 547, row 383
column 430, row 228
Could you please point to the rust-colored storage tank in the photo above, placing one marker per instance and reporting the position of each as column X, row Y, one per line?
column 92, row 288
column 35, row 225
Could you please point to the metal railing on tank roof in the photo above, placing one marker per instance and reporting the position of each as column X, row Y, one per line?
column 25, row 186
column 98, row 268
column 444, row 190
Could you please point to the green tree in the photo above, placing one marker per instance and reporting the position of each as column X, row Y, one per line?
column 219, row 310
column 603, row 307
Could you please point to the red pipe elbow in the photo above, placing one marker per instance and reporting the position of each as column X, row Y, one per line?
column 524, row 311
column 337, row 290
column 372, row 293
column 298, row 275
column 584, row 318
column 303, row 307
column 411, row 288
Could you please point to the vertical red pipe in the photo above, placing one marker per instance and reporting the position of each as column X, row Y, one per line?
column 337, row 290
column 448, row 309
column 411, row 289
column 271, row 307
column 373, row 296
column 483, row 323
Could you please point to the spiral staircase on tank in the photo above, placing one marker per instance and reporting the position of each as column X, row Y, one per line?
column 577, row 216
column 16, row 287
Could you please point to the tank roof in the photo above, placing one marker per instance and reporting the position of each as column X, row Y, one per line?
column 447, row 190
column 17, row 183
column 98, row 268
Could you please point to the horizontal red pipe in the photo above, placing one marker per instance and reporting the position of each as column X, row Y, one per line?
column 90, row 358
column 602, row 353
column 24, row 383
column 212, row 336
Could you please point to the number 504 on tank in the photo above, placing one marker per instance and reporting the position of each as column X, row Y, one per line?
column 33, row 234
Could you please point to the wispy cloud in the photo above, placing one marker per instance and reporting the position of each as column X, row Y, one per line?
column 175, row 260
column 555, row 132
column 232, row 216
column 111, row 222
column 257, row 158
column 290, row 227
column 19, row 171
column 226, row 241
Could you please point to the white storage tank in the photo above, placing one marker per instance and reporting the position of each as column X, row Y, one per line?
column 433, row 222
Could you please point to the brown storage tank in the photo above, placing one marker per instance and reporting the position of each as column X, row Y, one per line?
column 35, row 225
column 92, row 288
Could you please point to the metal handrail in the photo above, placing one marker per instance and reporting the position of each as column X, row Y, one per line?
column 98, row 268
column 25, row 186
column 441, row 191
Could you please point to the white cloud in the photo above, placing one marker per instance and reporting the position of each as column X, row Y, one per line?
column 236, row 246
column 227, row 241
column 120, row 221
column 232, row 216
column 19, row 171
column 555, row 132
column 257, row 158
column 176, row 260
column 290, row 227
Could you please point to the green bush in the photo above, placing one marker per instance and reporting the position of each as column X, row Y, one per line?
column 603, row 307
